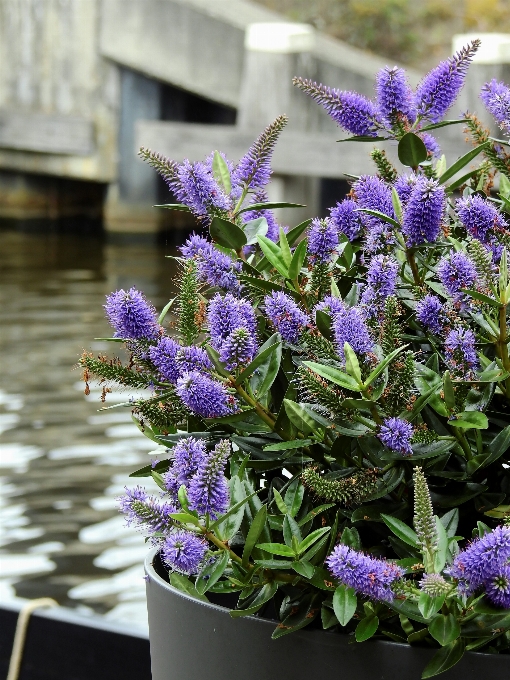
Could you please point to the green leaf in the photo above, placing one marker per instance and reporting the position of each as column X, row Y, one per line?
column 294, row 496
column 401, row 530
column 274, row 255
column 174, row 206
column 469, row 420
column 228, row 525
column 434, row 126
column 282, row 507
column 276, row 549
column 498, row 446
column 254, row 228
column 305, row 614
column 215, row 359
column 221, row 173
column 263, row 379
column 284, row 247
column 181, row 582
column 184, row 518
column 429, row 606
column 265, row 593
column 444, row 628
column 324, row 323
column 295, row 233
column 344, row 604
column 411, row 150
column 380, row 215
column 462, row 180
column 297, row 260
column 334, row 375
column 254, row 533
column 304, row 569
column 291, row 533
column 227, row 234
column 212, row 573
column 165, row 311
column 298, row 416
column 448, row 391
column 397, row 205
column 366, row 628
column 504, row 186
column 233, row 510
column 312, row 538
column 270, row 206
column 442, row 547
column 363, row 138
column 483, row 298
column 352, row 363
column 485, row 624
column 285, row 446
column 380, row 367
column 257, row 361
column 463, row 161
column 444, row 658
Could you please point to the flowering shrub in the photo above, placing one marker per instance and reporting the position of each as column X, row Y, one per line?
column 331, row 406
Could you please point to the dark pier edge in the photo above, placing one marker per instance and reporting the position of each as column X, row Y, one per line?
column 62, row 645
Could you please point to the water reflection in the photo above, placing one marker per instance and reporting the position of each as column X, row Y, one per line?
column 61, row 462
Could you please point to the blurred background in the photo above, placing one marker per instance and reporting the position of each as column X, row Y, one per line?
column 84, row 84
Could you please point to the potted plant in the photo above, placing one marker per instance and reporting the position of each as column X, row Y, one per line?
column 330, row 408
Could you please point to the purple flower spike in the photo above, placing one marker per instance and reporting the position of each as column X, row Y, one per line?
column 184, row 552
column 331, row 305
column 146, row 512
column 192, row 359
column 346, row 220
column 381, row 283
column 404, row 187
column 480, row 218
column 351, row 111
column 238, row 349
column 483, row 559
column 350, row 327
column 163, row 357
column 214, row 267
column 367, row 575
column 131, row 316
column 396, row 434
column 204, row 396
column 254, row 168
column 431, row 144
column 199, row 190
column 460, row 353
column 196, row 246
column 188, row 454
column 456, row 272
column 423, row 212
column 497, row 588
column 225, row 314
column 286, row 316
column 496, row 97
column 322, row 240
column 394, row 96
column 430, row 312
column 440, row 87
column 208, row 491
column 373, row 193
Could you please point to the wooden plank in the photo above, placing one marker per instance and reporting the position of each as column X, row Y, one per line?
column 25, row 131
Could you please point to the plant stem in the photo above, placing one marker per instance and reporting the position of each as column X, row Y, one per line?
column 414, row 267
column 459, row 436
column 502, row 346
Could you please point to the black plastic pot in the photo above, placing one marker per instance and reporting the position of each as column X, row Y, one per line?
column 195, row 640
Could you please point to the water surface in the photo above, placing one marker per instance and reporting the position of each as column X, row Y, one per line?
column 63, row 463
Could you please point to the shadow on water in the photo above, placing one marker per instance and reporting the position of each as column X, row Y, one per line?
column 62, row 464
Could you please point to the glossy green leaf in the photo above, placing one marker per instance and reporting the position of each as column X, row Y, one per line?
column 182, row 583
column 294, row 496
column 261, row 357
column 312, row 538
column 442, row 547
column 221, row 173
column 174, row 206
column 397, row 205
column 334, row 375
column 265, row 594
column 277, row 549
column 254, row 228
column 444, row 628
column 227, row 234
column 270, row 206
column 295, row 233
column 380, row 367
column 462, row 162
column 229, row 524
column 352, row 363
column 212, row 573
column 282, row 507
column 254, row 534
column 444, row 658
column 411, row 150
column 233, row 510
column 298, row 416
column 274, row 255
column 401, row 530
column 324, row 324
column 344, row 604
column 429, row 606
column 380, row 215
column 366, row 628
column 284, row 247
column 469, row 420
column 291, row 533
column 482, row 297
column 498, row 446
column 297, row 260
column 363, row 138
column 285, row 446
column 304, row 569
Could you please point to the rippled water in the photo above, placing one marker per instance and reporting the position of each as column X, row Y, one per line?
column 62, row 463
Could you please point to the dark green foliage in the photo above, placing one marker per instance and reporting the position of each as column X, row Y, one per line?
column 320, row 280
column 112, row 370
column 480, row 134
column 190, row 308
column 348, row 491
column 385, row 169
column 400, row 392
column 318, row 391
column 162, row 414
column 390, row 328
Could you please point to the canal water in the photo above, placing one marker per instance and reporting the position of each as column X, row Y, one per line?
column 63, row 463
